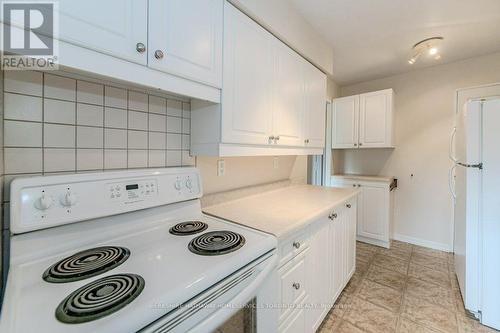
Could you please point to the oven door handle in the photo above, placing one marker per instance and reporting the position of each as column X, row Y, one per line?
column 212, row 322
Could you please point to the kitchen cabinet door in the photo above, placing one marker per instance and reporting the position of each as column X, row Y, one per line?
column 337, row 240
column 185, row 39
column 345, row 120
column 248, row 75
column 373, row 211
column 319, row 263
column 114, row 27
column 375, row 119
column 315, row 110
column 288, row 97
column 350, row 238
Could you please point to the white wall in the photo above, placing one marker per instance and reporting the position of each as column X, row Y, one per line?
column 282, row 19
column 424, row 120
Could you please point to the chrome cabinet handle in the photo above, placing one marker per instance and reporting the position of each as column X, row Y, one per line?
column 296, row 245
column 276, row 139
column 140, row 47
column 158, row 54
column 348, row 205
column 306, row 140
column 334, row 215
column 296, row 285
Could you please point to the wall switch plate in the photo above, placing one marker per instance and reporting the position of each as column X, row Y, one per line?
column 221, row 168
column 276, row 162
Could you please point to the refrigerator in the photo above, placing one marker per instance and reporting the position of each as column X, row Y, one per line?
column 475, row 185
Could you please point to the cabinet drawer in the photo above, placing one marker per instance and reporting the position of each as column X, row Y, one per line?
column 293, row 284
column 293, row 246
column 296, row 323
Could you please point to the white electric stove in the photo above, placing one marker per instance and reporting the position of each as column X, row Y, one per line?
column 124, row 252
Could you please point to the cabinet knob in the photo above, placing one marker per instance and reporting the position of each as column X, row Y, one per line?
column 271, row 139
column 140, row 47
column 296, row 245
column 359, row 185
column 355, row 145
column 353, row 185
column 306, row 140
column 159, row 54
column 348, row 205
column 360, row 144
column 334, row 215
column 296, row 285
column 277, row 138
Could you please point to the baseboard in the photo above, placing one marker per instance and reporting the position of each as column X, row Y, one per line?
column 423, row 242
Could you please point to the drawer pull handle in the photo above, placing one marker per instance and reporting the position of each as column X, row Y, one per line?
column 348, row 205
column 296, row 285
column 296, row 245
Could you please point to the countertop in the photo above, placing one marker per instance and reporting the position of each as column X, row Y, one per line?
column 284, row 211
column 384, row 179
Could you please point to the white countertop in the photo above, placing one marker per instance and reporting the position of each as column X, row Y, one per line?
column 283, row 211
column 384, row 179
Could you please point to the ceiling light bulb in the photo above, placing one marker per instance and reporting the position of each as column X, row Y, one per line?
column 411, row 61
column 433, row 51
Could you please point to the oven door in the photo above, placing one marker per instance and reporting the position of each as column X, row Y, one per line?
column 240, row 298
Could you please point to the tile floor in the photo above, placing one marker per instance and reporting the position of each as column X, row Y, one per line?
column 406, row 289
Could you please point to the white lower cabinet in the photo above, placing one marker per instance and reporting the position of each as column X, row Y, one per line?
column 374, row 207
column 315, row 266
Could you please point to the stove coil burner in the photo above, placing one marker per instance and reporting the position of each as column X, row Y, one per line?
column 99, row 298
column 188, row 228
column 86, row 264
column 216, row 242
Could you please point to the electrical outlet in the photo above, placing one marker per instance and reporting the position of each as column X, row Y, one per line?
column 221, row 168
column 276, row 162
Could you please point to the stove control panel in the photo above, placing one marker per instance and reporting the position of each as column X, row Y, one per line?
column 42, row 202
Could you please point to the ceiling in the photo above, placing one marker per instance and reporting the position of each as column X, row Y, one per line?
column 373, row 38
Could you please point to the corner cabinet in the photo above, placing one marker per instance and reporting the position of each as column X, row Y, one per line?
column 364, row 121
column 315, row 266
column 375, row 209
column 273, row 100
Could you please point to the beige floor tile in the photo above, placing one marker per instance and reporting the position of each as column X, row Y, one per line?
column 396, row 253
column 429, row 314
column 380, row 295
column 439, row 264
column 354, row 283
column 431, row 292
column 367, row 247
column 386, row 277
column 362, row 267
column 430, row 252
column 341, row 305
column 408, row 326
column 370, row 317
column 468, row 325
column 430, row 275
column 346, row 327
column 330, row 321
column 402, row 246
column 364, row 254
column 395, row 264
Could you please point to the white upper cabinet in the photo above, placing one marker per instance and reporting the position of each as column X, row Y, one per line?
column 315, row 110
column 248, row 74
column 185, row 38
column 364, row 121
column 345, row 122
column 115, row 27
column 375, row 119
column 288, row 97
column 273, row 100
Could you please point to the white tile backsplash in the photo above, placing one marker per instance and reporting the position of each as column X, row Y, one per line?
column 56, row 111
column 23, row 82
column 59, row 87
column 22, row 107
column 88, row 92
column 114, row 117
column 90, row 115
column 54, row 123
column 59, row 136
column 22, row 134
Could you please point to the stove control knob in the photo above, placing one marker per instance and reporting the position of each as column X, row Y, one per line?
column 69, row 199
column 189, row 183
column 44, row 202
column 178, row 185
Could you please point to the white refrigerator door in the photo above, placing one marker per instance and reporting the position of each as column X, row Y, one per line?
column 490, row 228
column 467, row 190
